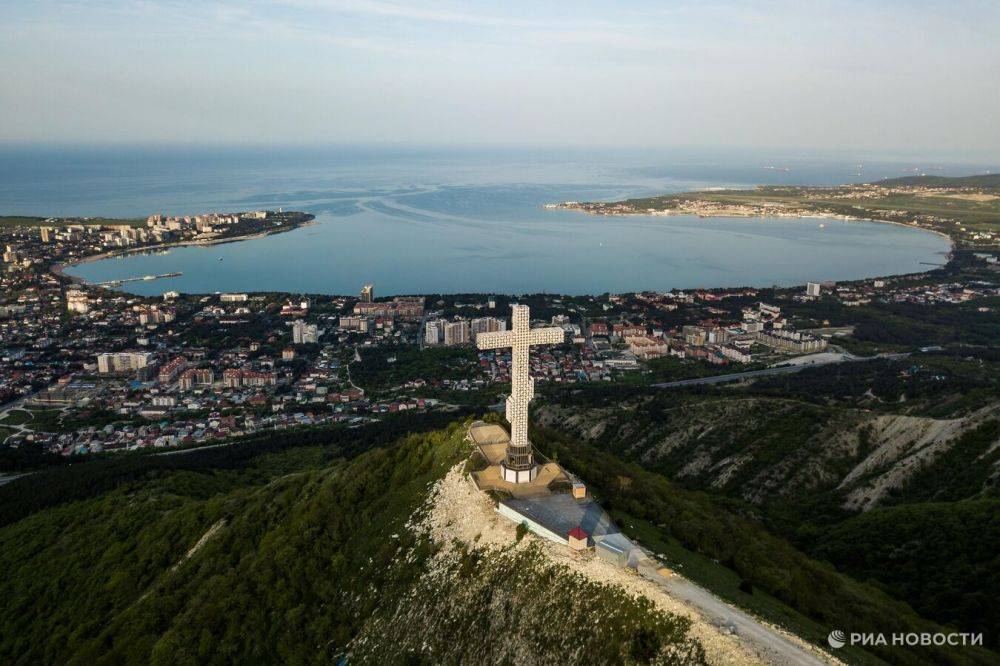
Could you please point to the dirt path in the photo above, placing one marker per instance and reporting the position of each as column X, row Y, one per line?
column 774, row 645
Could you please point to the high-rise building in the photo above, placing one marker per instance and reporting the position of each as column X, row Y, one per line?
column 46, row 234
column 368, row 293
column 456, row 333
column 487, row 325
column 813, row 289
column 433, row 332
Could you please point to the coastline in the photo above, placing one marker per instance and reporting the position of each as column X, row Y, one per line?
column 59, row 268
column 737, row 215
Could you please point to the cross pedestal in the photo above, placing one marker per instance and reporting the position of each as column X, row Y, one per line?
column 519, row 465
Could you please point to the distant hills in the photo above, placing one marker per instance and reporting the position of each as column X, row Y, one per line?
column 985, row 181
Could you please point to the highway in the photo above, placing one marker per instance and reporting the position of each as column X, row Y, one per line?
column 776, row 370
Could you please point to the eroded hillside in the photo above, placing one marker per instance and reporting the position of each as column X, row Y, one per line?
column 771, row 449
column 833, row 458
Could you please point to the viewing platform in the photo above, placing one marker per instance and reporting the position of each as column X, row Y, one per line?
column 491, row 441
column 554, row 505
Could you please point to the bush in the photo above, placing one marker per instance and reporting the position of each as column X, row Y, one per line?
column 522, row 529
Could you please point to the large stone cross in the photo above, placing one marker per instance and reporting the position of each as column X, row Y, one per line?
column 520, row 339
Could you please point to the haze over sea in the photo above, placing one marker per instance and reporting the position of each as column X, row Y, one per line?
column 436, row 220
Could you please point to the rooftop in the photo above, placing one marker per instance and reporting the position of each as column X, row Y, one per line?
column 562, row 514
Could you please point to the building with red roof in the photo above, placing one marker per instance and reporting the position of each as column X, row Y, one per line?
column 577, row 538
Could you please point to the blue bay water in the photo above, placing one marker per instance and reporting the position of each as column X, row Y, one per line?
column 436, row 220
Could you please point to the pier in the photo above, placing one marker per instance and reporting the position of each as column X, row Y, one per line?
column 141, row 278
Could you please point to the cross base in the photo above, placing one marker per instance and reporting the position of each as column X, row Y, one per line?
column 518, row 475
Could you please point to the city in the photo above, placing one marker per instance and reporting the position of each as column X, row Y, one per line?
column 186, row 370
column 385, row 332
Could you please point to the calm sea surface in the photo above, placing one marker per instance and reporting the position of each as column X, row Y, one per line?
column 434, row 220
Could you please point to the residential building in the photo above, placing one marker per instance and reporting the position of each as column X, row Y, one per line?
column 487, row 325
column 457, row 333
column 171, row 369
column 303, row 333
column 646, row 347
column 404, row 307
column 791, row 341
column 434, row 332
column 122, row 361
column 194, row 377
column 76, row 301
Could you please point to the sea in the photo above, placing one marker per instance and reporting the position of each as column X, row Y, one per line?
column 425, row 220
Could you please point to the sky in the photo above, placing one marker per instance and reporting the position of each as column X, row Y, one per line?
column 808, row 75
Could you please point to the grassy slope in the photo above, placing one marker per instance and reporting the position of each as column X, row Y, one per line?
column 304, row 561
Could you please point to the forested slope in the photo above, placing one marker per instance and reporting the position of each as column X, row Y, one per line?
column 887, row 470
column 289, row 556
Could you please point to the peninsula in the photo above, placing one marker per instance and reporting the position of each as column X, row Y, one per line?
column 966, row 209
column 76, row 240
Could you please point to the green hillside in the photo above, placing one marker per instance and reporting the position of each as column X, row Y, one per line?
column 887, row 470
column 299, row 547
column 296, row 555
column 737, row 558
column 942, row 556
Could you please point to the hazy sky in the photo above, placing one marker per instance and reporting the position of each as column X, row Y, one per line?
column 810, row 74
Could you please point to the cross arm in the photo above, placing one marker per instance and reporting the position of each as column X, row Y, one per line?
column 547, row 336
column 494, row 340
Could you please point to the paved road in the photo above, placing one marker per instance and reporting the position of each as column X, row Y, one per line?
column 772, row 645
column 7, row 478
column 766, row 372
